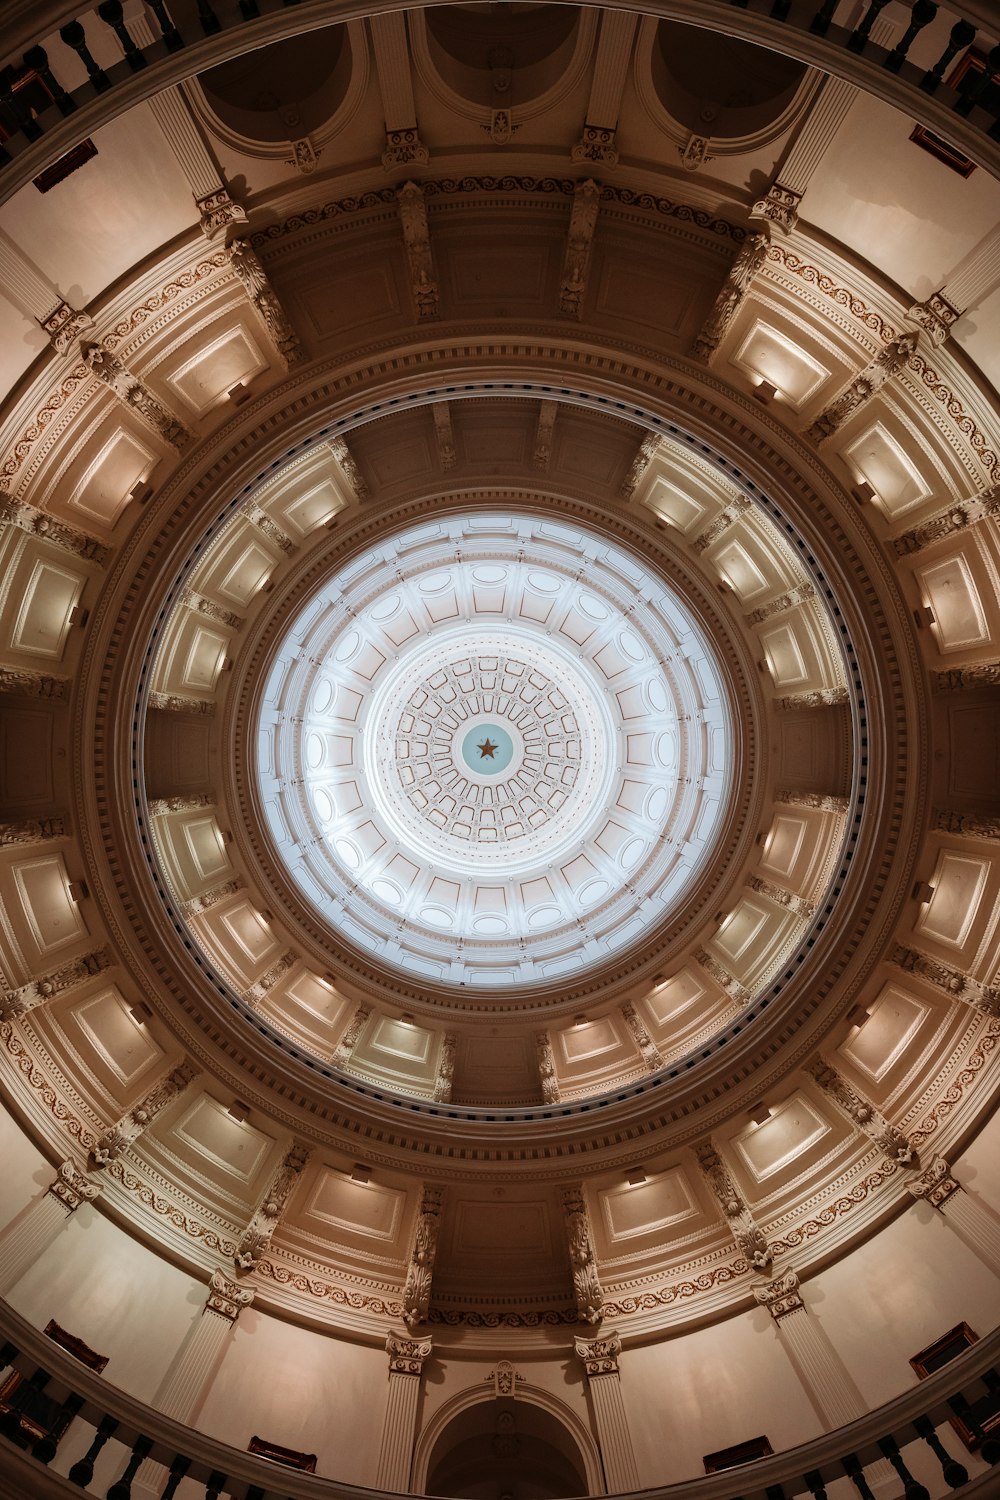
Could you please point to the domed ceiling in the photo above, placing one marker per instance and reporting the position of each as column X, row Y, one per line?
column 499, row 635
column 499, row 746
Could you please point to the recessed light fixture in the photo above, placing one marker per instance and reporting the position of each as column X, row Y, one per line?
column 361, row 1173
column 759, row 1113
column 636, row 1177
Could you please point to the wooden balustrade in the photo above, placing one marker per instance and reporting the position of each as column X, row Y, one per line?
column 920, row 1416
column 802, row 28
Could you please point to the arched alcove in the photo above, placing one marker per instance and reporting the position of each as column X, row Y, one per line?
column 528, row 1445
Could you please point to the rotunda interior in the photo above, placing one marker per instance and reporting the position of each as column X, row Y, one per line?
column 500, row 775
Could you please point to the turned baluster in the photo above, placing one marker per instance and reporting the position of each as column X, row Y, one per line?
column 178, row 1469
column 26, row 123
column 10, row 1422
column 774, row 1492
column 921, row 15
column 214, row 1485
column 210, row 22
column 989, row 1448
column 74, row 36
column 974, row 85
column 249, row 9
column 854, row 1470
column 172, row 38
column 820, row 23
column 991, row 1445
column 912, row 1489
column 46, row 1448
column 859, row 36
column 814, row 1482
column 955, row 1474
column 122, row 1488
column 112, row 13
column 963, row 34
column 82, row 1471
column 780, row 9
column 37, row 59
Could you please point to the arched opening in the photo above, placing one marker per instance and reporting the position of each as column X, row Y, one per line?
column 505, row 1448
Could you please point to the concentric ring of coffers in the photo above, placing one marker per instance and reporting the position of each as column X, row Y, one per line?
column 556, row 649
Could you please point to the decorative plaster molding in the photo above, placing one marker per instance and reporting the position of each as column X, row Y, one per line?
column 884, row 367
column 863, row 1113
column 348, row 467
column 446, row 1068
column 934, row 1184
column 226, row 1297
column 256, row 1238
column 983, row 997
column 407, row 1356
column 246, row 267
column 735, row 289
column 651, row 1054
column 935, row 317
column 404, row 148
column 33, row 684
column 32, row 831
column 417, row 1291
column 579, row 244
column 798, row 905
column 218, row 211
column 779, row 206
column 66, row 327
column 417, row 240
column 599, row 1356
column 72, row 1187
column 586, row 1283
column 131, row 392
column 780, row 1296
column 648, row 448
column 24, row 517
column 546, row 1068
column 749, row 1237
column 596, row 144
column 128, row 1129
column 801, row 594
column 342, row 1052
column 445, row 435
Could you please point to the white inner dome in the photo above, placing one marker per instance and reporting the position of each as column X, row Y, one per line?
column 494, row 748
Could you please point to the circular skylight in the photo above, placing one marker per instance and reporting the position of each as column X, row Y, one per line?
column 494, row 749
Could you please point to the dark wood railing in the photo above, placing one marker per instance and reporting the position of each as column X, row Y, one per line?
column 211, row 30
column 65, row 1392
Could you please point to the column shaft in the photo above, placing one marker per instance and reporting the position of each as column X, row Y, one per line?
column 396, row 1450
column 620, row 1471
column 823, row 1372
column 977, row 1226
column 23, row 1241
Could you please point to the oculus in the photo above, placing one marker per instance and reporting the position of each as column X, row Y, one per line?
column 494, row 749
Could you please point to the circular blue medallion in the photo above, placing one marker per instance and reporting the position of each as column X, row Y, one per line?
column 487, row 749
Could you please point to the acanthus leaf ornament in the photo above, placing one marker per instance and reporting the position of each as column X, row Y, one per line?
column 417, row 1291
column 583, row 1263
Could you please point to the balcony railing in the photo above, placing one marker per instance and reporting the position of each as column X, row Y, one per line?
column 48, row 119
column 69, row 1393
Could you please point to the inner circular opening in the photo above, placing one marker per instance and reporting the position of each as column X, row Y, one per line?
column 494, row 749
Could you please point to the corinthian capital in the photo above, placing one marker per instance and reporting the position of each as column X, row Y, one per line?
column 600, row 1356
